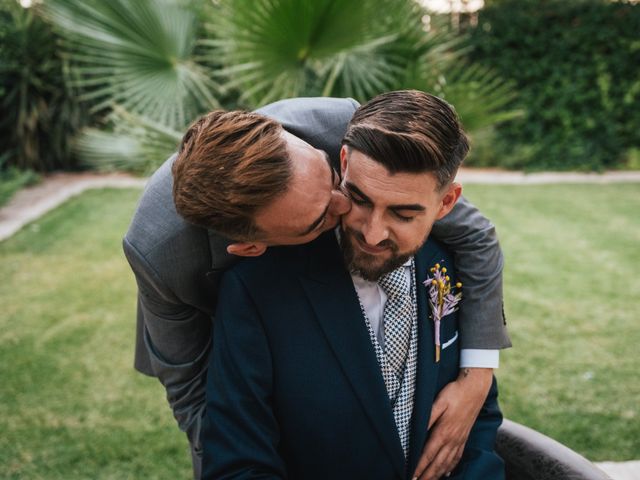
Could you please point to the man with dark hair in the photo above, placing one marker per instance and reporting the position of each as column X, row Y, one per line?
column 243, row 182
column 326, row 362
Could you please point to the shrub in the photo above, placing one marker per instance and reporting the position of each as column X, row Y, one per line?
column 577, row 69
column 39, row 112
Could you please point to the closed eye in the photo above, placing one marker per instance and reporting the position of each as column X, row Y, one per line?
column 403, row 218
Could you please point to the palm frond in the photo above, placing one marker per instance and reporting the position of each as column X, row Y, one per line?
column 281, row 48
column 134, row 143
column 137, row 54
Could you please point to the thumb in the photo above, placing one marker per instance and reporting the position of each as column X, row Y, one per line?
column 438, row 408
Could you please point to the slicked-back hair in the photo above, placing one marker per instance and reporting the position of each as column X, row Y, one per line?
column 229, row 165
column 410, row 131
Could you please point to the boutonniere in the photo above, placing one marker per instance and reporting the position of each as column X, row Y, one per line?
column 442, row 298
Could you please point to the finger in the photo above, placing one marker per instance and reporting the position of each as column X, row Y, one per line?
column 438, row 467
column 437, row 410
column 428, row 454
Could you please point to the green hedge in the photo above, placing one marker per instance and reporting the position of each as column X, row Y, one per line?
column 577, row 68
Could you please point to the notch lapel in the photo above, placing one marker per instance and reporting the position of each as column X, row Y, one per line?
column 335, row 303
column 427, row 374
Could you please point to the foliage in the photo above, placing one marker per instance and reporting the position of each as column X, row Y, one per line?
column 274, row 49
column 287, row 48
column 12, row 180
column 40, row 114
column 577, row 70
column 136, row 144
column 137, row 54
column 73, row 408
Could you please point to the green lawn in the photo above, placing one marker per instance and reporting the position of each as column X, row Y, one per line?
column 72, row 407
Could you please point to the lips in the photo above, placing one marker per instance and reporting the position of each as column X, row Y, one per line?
column 370, row 249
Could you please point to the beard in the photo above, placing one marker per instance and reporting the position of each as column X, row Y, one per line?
column 371, row 267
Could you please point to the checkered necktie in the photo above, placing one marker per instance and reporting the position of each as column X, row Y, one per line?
column 397, row 319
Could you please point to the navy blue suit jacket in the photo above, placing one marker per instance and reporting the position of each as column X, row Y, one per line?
column 294, row 389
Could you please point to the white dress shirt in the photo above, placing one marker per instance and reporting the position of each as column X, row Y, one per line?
column 373, row 300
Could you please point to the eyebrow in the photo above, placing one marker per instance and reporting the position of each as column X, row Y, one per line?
column 317, row 221
column 410, row 206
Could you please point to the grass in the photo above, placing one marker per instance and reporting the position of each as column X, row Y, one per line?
column 72, row 407
column 572, row 302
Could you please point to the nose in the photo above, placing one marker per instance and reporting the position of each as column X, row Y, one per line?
column 374, row 230
column 340, row 204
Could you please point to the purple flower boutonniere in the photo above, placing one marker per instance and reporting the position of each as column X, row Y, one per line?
column 442, row 299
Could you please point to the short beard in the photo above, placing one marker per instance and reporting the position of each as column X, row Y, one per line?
column 363, row 264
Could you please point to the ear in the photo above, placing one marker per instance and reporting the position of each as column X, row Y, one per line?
column 343, row 160
column 449, row 200
column 247, row 249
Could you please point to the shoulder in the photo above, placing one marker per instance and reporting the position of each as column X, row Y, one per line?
column 159, row 237
column 293, row 110
column 320, row 121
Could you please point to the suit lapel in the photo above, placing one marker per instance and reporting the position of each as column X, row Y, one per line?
column 335, row 303
column 427, row 374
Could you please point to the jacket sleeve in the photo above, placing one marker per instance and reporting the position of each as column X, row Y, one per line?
column 173, row 345
column 240, row 432
column 479, row 262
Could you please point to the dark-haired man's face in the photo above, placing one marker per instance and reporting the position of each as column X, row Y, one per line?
column 391, row 214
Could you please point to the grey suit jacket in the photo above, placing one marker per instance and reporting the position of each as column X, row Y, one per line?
column 178, row 267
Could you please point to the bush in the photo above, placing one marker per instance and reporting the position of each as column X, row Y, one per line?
column 40, row 114
column 577, row 68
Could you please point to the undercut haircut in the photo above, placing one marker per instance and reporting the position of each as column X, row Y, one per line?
column 229, row 166
column 410, row 131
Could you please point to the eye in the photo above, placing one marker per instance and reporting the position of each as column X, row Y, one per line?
column 403, row 218
column 353, row 197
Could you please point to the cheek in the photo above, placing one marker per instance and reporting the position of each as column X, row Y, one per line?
column 411, row 235
column 354, row 217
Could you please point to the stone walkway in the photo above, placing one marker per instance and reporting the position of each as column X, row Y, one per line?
column 30, row 203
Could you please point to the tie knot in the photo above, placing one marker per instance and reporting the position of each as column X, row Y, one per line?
column 394, row 283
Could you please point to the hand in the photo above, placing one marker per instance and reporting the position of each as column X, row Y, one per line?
column 453, row 414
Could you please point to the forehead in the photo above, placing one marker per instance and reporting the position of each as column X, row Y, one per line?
column 383, row 187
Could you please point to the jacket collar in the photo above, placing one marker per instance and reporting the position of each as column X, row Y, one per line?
column 330, row 290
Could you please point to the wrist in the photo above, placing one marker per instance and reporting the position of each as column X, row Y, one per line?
column 476, row 379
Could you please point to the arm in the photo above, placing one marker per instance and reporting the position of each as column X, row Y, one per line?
column 479, row 459
column 478, row 258
column 479, row 263
column 240, row 432
column 174, row 343
column 452, row 417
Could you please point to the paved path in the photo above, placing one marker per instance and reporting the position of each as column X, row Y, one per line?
column 30, row 203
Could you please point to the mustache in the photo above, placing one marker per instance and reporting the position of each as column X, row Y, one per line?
column 388, row 243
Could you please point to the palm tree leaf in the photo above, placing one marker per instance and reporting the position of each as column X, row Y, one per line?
column 138, row 54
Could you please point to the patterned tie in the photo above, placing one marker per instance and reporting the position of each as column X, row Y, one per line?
column 397, row 319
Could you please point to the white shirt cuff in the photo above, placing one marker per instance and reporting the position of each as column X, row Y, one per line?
column 477, row 358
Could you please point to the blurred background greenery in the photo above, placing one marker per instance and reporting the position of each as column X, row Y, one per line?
column 539, row 84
